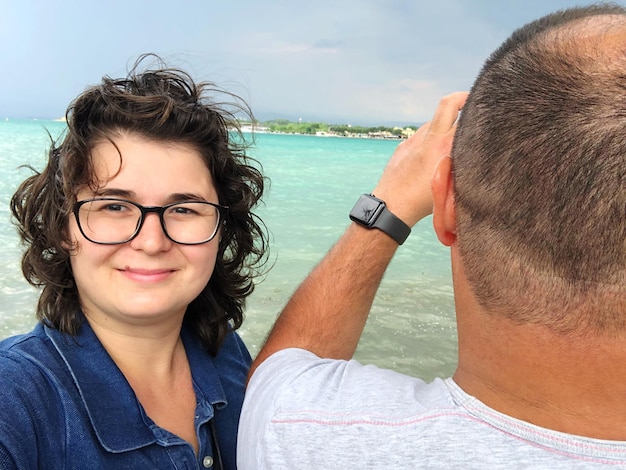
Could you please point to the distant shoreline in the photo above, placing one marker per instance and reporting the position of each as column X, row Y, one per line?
column 348, row 136
column 317, row 129
column 321, row 129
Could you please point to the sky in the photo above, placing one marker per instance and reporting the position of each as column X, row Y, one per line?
column 359, row 62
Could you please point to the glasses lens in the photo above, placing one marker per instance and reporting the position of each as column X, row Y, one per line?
column 191, row 222
column 108, row 220
column 114, row 221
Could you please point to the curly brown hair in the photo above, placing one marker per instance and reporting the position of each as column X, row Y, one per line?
column 162, row 104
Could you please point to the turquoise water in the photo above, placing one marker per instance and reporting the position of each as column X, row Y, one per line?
column 314, row 183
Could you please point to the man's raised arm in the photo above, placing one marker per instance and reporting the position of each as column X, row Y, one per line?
column 327, row 313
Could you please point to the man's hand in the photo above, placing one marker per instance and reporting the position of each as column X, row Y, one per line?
column 405, row 185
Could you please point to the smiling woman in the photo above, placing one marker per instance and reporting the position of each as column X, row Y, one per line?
column 151, row 279
column 141, row 234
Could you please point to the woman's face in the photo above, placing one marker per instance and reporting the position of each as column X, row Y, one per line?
column 149, row 279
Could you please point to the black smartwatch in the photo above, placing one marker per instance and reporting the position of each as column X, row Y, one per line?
column 371, row 212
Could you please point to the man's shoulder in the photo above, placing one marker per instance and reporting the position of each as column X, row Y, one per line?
column 303, row 409
column 305, row 365
column 295, row 378
column 344, row 406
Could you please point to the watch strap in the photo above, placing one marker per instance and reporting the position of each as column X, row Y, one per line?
column 392, row 226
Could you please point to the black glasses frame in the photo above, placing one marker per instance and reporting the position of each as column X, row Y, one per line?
column 160, row 210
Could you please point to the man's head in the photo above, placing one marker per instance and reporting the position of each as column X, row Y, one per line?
column 539, row 167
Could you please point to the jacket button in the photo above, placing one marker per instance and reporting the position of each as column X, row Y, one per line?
column 207, row 462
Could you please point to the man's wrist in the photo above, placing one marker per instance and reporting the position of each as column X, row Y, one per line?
column 372, row 212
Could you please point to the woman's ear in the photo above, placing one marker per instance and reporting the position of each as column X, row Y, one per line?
column 444, row 215
column 69, row 243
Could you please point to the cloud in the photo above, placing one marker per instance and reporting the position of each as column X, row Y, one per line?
column 266, row 46
column 360, row 60
column 365, row 60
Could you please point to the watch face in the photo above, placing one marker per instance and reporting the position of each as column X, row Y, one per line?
column 366, row 210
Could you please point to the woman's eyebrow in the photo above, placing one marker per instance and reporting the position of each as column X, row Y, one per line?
column 115, row 192
column 179, row 197
column 132, row 195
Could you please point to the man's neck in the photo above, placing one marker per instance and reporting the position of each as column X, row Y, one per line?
column 570, row 383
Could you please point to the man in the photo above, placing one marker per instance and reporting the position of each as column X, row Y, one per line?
column 532, row 204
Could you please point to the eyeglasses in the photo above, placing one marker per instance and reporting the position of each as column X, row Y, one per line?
column 109, row 221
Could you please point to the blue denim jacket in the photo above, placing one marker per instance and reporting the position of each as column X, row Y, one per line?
column 64, row 404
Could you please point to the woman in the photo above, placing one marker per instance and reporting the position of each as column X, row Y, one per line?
column 140, row 232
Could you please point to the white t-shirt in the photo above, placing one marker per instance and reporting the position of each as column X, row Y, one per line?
column 303, row 412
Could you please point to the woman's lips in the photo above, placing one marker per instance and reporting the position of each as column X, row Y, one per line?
column 147, row 275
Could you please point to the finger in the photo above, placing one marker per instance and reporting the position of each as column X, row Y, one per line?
column 447, row 112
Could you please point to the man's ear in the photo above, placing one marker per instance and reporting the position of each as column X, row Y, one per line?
column 444, row 215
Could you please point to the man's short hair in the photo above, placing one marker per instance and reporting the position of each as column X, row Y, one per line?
column 539, row 167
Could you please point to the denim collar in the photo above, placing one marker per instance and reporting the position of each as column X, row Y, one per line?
column 117, row 417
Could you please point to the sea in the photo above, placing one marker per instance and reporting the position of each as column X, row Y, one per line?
column 314, row 182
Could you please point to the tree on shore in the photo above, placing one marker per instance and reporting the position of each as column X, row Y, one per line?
column 311, row 128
